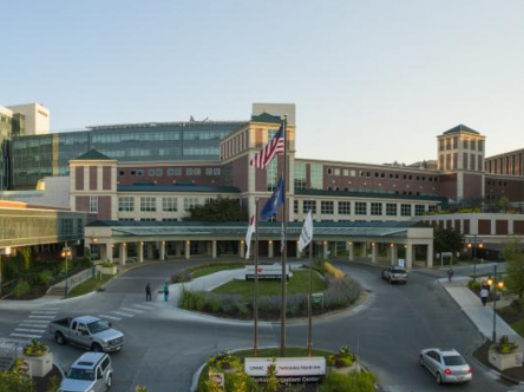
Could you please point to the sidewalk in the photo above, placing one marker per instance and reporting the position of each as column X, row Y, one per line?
column 480, row 316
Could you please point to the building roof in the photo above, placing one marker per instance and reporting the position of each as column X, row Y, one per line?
column 461, row 128
column 93, row 155
column 266, row 118
column 378, row 195
column 183, row 188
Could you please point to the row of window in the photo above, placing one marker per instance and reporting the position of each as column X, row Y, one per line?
column 362, row 208
column 497, row 183
column 149, row 204
column 452, row 144
column 188, row 171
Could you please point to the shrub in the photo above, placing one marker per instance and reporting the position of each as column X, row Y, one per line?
column 225, row 360
column 504, row 346
column 44, row 277
column 341, row 293
column 108, row 264
column 21, row 288
column 351, row 382
column 35, row 349
column 181, row 277
column 474, row 285
column 344, row 357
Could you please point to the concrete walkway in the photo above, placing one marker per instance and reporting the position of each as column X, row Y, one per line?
column 480, row 316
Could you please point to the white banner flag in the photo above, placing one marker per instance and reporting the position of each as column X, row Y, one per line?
column 307, row 232
column 250, row 231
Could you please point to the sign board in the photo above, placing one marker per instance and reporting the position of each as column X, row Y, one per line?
column 272, row 271
column 317, row 298
column 217, row 377
column 290, row 370
column 401, row 263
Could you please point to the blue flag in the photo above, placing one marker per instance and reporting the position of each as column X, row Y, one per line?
column 275, row 201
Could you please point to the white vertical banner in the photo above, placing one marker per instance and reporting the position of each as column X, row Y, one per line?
column 307, row 232
column 249, row 234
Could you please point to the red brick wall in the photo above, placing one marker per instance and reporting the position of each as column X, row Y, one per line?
column 501, row 227
column 93, row 178
column 82, row 203
column 79, row 182
column 128, row 179
column 106, row 180
column 518, row 227
column 240, row 167
column 466, row 227
column 484, row 227
column 104, row 207
column 448, row 185
column 472, row 186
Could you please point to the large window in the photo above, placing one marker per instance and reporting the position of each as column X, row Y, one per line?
column 326, row 207
column 148, row 204
column 317, row 176
column 169, row 204
column 344, row 207
column 295, row 206
column 300, row 175
column 405, row 209
column 126, row 204
column 376, row 208
column 309, row 205
column 419, row 210
column 93, row 204
column 391, row 209
column 190, row 202
column 361, row 208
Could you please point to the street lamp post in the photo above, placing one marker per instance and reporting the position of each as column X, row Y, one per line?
column 497, row 283
column 473, row 245
column 66, row 254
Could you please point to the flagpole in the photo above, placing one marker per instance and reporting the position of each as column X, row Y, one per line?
column 309, row 304
column 283, row 247
column 255, row 299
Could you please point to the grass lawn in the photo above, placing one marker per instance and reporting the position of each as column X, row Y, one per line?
column 298, row 284
column 519, row 327
column 211, row 269
column 275, row 352
column 89, row 286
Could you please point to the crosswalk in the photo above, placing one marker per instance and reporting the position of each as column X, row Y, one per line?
column 36, row 323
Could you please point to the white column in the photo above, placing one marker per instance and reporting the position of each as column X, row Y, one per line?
column 188, row 250
column 325, row 250
column 351, row 251
column 394, row 255
column 241, row 249
column 388, row 253
column 214, row 249
column 363, row 250
column 334, row 249
column 109, row 251
column 140, row 252
column 162, row 250
column 409, row 257
column 429, row 256
column 150, row 254
column 374, row 252
column 298, row 252
column 270, row 249
column 123, row 253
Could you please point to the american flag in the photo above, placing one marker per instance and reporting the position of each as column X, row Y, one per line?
column 268, row 152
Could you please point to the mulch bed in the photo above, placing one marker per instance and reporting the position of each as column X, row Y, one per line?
column 515, row 374
column 42, row 384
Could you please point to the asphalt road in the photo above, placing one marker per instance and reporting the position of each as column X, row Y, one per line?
column 166, row 346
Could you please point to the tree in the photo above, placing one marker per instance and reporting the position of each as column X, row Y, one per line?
column 218, row 210
column 448, row 240
column 26, row 256
column 15, row 379
column 514, row 278
column 503, row 203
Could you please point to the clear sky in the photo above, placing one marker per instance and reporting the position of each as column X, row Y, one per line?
column 374, row 81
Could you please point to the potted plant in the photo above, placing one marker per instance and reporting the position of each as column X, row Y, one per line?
column 343, row 361
column 505, row 354
column 107, row 268
column 38, row 357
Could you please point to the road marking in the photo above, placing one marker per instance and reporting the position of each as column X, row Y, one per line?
column 54, row 312
column 37, row 322
column 29, row 330
column 110, row 317
column 41, row 317
column 28, row 325
column 22, row 335
column 119, row 313
column 145, row 307
column 132, row 310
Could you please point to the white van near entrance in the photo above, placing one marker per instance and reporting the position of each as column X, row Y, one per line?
column 92, row 372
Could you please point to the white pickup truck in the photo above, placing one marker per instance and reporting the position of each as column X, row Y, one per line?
column 89, row 332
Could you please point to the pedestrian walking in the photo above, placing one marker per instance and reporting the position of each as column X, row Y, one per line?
column 484, row 294
column 166, row 292
column 450, row 275
column 148, row 292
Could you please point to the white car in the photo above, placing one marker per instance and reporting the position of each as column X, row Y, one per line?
column 446, row 364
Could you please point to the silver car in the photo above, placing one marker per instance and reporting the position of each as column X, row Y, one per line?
column 446, row 364
column 92, row 372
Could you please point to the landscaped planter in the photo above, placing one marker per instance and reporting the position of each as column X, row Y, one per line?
column 504, row 361
column 346, row 369
column 39, row 366
column 107, row 270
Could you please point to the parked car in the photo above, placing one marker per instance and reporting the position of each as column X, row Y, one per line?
column 89, row 332
column 446, row 364
column 92, row 372
column 395, row 274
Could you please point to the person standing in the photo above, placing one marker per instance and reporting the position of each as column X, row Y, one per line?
column 148, row 292
column 450, row 275
column 166, row 292
column 484, row 294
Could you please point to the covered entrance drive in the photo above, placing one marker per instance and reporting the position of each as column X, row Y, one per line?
column 172, row 240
